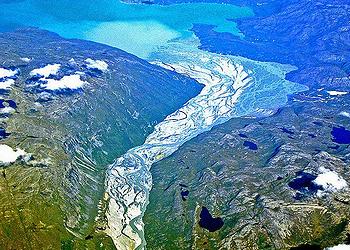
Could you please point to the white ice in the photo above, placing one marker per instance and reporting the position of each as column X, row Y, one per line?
column 336, row 93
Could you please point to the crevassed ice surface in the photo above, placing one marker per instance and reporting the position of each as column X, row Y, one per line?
column 234, row 87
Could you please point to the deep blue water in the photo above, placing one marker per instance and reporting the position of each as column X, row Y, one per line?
column 3, row 133
column 250, row 145
column 184, row 194
column 312, row 135
column 243, row 135
column 208, row 222
column 303, row 183
column 10, row 103
column 341, row 135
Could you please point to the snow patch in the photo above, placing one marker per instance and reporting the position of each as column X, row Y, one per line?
column 50, row 69
column 96, row 64
column 344, row 113
column 336, row 93
column 8, row 155
column 26, row 59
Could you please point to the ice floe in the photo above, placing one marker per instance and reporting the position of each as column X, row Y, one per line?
column 66, row 82
column 96, row 64
column 8, row 155
column 330, row 180
column 50, row 69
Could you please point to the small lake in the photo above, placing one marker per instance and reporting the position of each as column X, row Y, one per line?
column 208, row 222
column 341, row 135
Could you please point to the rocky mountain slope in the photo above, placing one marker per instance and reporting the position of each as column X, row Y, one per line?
column 68, row 109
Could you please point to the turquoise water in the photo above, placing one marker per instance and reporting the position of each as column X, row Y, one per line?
column 136, row 28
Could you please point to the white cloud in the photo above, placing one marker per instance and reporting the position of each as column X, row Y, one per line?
column 96, row 64
column 66, row 82
column 7, row 84
column 339, row 247
column 8, row 155
column 330, row 180
column 7, row 73
column 50, row 69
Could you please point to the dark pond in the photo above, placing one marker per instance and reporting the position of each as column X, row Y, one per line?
column 208, row 222
column 312, row 135
column 250, row 145
column 243, row 135
column 3, row 133
column 304, row 184
column 5, row 103
column 184, row 194
column 287, row 131
column 340, row 135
